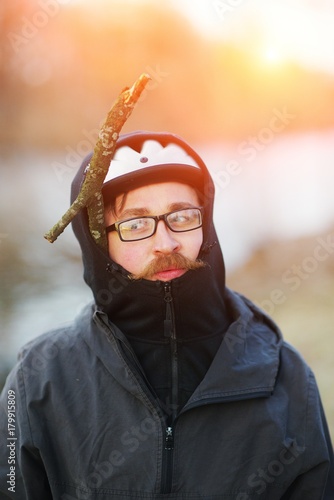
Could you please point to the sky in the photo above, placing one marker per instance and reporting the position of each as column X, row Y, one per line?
column 278, row 30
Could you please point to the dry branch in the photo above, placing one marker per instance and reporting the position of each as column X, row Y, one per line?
column 90, row 195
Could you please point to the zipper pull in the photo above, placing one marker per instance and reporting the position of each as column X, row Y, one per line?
column 168, row 294
column 169, row 440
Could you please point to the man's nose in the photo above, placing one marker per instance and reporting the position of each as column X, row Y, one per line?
column 164, row 240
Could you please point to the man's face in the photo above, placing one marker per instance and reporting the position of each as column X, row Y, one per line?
column 155, row 199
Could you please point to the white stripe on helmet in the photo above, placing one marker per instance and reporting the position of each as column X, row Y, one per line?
column 126, row 160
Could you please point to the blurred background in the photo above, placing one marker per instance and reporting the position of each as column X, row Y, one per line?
column 249, row 83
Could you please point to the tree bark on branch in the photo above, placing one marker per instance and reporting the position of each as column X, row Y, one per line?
column 90, row 195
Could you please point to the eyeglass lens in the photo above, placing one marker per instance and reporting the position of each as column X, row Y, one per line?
column 144, row 227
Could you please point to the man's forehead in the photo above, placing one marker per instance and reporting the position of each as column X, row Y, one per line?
column 167, row 196
column 141, row 211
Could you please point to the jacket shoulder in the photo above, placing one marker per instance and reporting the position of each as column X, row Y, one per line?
column 291, row 359
column 50, row 348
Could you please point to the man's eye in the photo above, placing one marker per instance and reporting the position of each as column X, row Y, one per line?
column 179, row 218
column 182, row 217
column 136, row 225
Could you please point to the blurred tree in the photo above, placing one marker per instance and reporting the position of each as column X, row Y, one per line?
column 63, row 77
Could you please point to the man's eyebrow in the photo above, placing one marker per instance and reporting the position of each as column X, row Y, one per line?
column 180, row 206
column 142, row 211
column 134, row 212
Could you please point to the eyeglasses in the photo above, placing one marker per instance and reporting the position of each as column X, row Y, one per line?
column 140, row 228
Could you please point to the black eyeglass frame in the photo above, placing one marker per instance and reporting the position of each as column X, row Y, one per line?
column 156, row 218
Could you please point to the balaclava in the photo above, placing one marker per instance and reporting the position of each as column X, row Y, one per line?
column 140, row 309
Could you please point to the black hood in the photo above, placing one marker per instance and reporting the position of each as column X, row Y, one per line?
column 137, row 307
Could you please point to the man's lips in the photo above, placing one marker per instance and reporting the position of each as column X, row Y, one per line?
column 168, row 267
column 169, row 274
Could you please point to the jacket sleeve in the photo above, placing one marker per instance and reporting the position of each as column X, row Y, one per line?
column 316, row 481
column 22, row 474
column 329, row 490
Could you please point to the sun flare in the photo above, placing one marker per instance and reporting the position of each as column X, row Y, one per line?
column 272, row 56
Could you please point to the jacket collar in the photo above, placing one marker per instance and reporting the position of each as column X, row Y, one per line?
column 247, row 362
column 245, row 366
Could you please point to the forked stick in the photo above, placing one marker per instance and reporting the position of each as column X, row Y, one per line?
column 90, row 195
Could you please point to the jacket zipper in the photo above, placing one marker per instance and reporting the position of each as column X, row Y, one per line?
column 169, row 326
column 167, row 467
column 169, row 331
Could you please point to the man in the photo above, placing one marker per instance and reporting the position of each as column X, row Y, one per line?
column 169, row 385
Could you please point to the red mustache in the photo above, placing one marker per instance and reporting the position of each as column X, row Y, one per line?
column 166, row 262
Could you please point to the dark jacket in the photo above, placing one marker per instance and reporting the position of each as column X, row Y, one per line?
column 87, row 427
column 180, row 390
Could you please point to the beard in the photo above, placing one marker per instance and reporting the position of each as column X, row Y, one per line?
column 166, row 262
